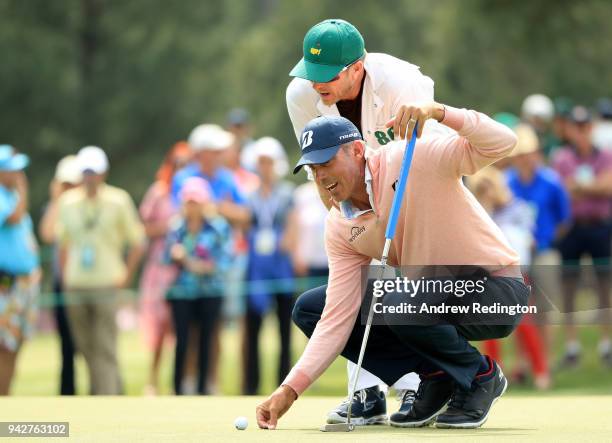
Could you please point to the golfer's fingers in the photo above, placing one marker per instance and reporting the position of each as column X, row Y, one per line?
column 411, row 124
column 263, row 417
column 421, row 124
column 398, row 121
column 273, row 418
column 405, row 124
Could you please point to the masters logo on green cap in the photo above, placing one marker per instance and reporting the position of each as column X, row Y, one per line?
column 329, row 47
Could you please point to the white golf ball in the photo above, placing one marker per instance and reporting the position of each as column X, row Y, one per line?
column 241, row 423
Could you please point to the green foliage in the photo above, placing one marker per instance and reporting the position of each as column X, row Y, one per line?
column 136, row 76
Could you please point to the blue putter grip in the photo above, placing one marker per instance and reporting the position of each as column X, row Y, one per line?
column 401, row 186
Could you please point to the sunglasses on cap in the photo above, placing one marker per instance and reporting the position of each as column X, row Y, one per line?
column 343, row 69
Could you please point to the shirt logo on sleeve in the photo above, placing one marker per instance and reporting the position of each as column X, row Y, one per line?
column 356, row 231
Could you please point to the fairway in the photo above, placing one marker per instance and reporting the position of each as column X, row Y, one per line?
column 204, row 419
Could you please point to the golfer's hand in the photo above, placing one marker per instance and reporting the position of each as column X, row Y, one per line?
column 274, row 407
column 409, row 115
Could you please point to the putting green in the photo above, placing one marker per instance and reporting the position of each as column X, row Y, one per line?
column 204, row 419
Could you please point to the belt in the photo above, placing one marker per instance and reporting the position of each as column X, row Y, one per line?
column 591, row 221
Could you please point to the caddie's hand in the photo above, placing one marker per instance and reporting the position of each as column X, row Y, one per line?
column 409, row 115
column 274, row 407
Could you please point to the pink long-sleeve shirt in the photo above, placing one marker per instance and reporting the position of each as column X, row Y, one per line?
column 440, row 223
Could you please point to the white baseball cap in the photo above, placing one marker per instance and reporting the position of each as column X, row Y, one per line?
column 271, row 147
column 209, row 137
column 538, row 105
column 92, row 158
column 68, row 170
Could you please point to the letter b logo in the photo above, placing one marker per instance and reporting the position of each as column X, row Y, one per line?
column 306, row 139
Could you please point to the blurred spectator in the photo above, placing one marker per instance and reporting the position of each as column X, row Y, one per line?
column 538, row 110
column 67, row 176
column 156, row 210
column 208, row 142
column 563, row 109
column 246, row 180
column 305, row 233
column 19, row 274
column 269, row 273
column 239, row 124
column 200, row 244
column 515, row 218
column 542, row 187
column 587, row 172
column 101, row 243
column 602, row 128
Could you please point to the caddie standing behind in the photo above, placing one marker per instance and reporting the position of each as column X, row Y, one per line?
column 337, row 76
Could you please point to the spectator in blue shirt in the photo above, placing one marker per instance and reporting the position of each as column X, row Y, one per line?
column 18, row 263
column 208, row 143
column 541, row 187
column 201, row 247
column 533, row 182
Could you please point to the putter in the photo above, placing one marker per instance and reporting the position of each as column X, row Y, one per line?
column 389, row 233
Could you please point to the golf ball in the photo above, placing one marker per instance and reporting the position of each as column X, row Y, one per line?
column 241, row 423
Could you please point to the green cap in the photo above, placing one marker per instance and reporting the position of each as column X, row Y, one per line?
column 329, row 47
column 507, row 118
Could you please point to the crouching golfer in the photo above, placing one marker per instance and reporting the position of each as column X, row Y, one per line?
column 440, row 223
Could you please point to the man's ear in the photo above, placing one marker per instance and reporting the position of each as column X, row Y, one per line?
column 359, row 148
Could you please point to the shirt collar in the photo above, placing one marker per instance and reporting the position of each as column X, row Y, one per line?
column 348, row 210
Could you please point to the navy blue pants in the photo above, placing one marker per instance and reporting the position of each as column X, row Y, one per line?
column 397, row 349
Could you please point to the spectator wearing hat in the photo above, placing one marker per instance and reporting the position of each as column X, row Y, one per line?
column 208, row 143
column 538, row 110
column 68, row 175
column 270, row 272
column 563, row 109
column 19, row 274
column 199, row 244
column 156, row 210
column 532, row 181
column 239, row 124
column 587, row 173
column 101, row 243
column 602, row 128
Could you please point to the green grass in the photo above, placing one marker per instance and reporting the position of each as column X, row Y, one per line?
column 38, row 366
column 210, row 419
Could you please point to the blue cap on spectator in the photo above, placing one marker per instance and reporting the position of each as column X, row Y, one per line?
column 604, row 108
column 238, row 116
column 322, row 137
column 10, row 160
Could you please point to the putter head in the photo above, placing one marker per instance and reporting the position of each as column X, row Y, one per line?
column 337, row 427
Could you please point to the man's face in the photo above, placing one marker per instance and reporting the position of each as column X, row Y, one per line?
column 209, row 160
column 339, row 87
column 92, row 180
column 265, row 168
column 340, row 176
column 526, row 162
column 580, row 134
